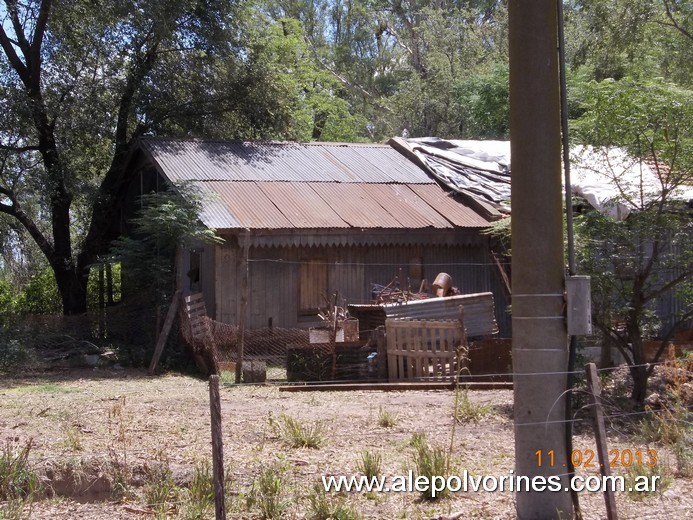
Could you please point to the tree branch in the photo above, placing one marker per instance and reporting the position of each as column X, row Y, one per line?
column 41, row 24
column 344, row 81
column 15, row 61
column 673, row 23
column 21, row 42
column 18, row 149
column 669, row 285
column 15, row 210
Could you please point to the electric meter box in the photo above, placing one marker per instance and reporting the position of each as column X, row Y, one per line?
column 579, row 302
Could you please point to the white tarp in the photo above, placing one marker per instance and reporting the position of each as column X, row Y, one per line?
column 608, row 178
column 616, row 183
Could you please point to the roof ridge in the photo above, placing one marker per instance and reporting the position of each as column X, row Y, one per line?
column 270, row 142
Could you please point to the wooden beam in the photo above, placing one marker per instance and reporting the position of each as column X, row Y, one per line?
column 595, row 395
column 393, row 387
column 165, row 331
column 244, row 306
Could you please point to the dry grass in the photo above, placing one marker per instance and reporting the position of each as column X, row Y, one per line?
column 126, row 418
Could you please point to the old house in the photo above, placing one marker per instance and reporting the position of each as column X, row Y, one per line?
column 306, row 220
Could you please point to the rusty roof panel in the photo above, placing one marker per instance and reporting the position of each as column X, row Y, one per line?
column 285, row 205
column 247, row 204
column 355, row 205
column 454, row 210
column 410, row 209
column 301, row 205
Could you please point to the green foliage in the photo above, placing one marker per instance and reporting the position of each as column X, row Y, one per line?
column 167, row 219
column 312, row 105
column 13, row 355
column 467, row 411
column 651, row 119
column 160, row 491
column 636, row 261
column 6, row 298
column 619, row 38
column 40, row 295
column 634, row 476
column 484, row 99
column 199, row 501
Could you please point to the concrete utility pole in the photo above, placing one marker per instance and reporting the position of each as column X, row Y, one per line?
column 540, row 341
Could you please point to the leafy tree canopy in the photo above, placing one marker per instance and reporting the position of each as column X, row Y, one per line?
column 81, row 81
column 636, row 262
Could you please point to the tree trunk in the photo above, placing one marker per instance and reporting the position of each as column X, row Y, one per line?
column 73, row 289
column 639, row 369
column 639, row 375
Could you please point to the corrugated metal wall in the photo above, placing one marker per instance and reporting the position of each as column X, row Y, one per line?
column 275, row 273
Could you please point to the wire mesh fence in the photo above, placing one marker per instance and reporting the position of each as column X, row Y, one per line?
column 279, row 446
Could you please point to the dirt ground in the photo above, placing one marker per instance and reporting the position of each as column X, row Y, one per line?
column 84, row 425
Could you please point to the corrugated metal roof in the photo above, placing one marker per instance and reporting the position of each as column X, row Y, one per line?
column 357, row 204
column 308, row 186
column 409, row 206
column 302, row 205
column 454, row 210
column 183, row 160
column 248, row 205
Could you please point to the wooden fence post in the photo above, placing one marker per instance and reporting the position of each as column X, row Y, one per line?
column 595, row 390
column 244, row 268
column 165, row 331
column 217, row 448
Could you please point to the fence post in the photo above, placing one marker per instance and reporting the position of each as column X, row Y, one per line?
column 163, row 335
column 595, row 390
column 243, row 308
column 217, row 448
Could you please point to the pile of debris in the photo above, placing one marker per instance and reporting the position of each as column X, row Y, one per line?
column 393, row 292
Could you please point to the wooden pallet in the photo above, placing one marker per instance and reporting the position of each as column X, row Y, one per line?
column 423, row 349
column 204, row 351
column 196, row 312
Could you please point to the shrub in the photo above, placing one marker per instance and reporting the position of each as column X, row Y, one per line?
column 299, row 435
column 370, row 464
column 323, row 508
column 267, row 492
column 430, row 461
column 19, row 484
column 386, row 419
